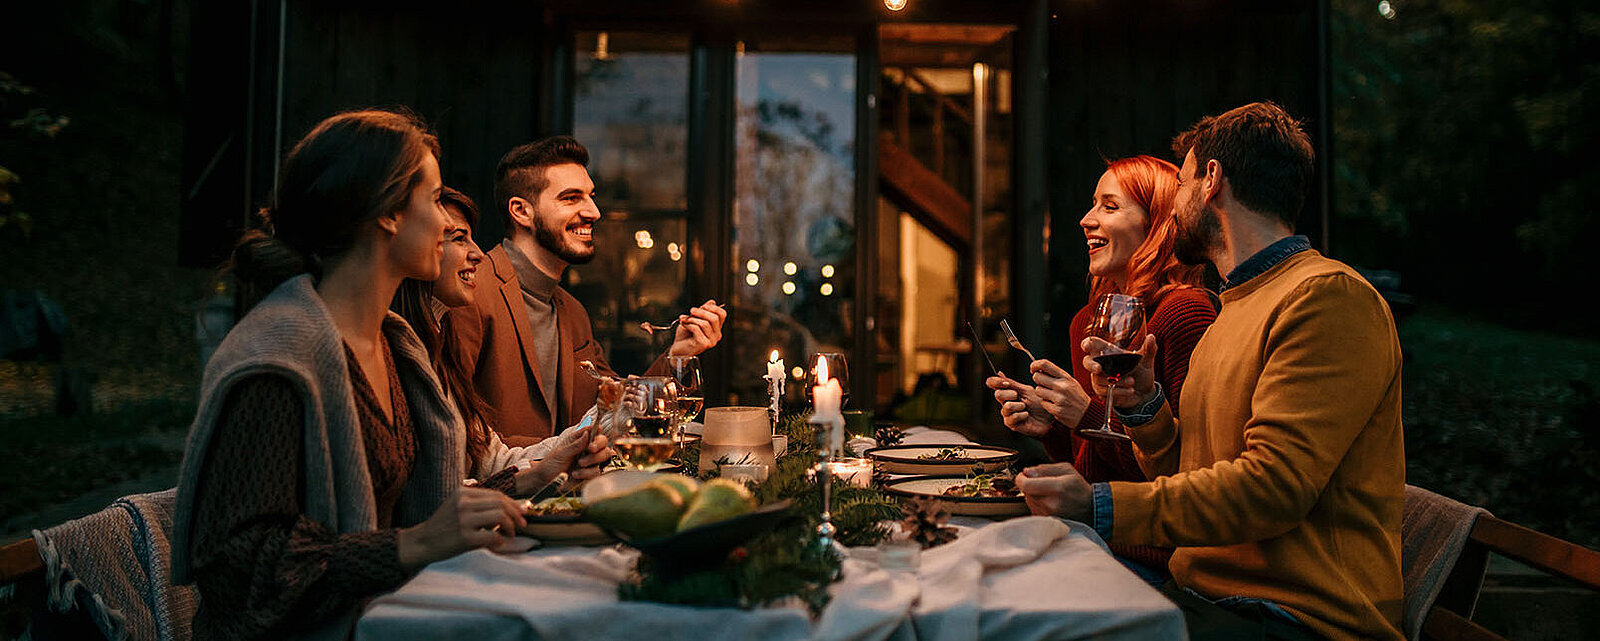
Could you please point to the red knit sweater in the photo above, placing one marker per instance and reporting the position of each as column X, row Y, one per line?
column 1179, row 320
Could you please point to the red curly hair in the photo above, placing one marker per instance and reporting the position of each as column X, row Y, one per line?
column 1152, row 269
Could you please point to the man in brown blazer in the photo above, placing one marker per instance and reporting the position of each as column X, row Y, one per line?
column 523, row 342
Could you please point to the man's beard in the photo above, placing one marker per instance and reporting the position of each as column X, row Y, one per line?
column 550, row 239
column 1192, row 245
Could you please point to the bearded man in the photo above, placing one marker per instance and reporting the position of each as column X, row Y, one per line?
column 523, row 343
column 1281, row 479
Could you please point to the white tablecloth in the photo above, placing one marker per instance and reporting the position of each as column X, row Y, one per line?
column 1022, row 579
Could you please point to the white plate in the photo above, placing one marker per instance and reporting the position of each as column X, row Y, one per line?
column 613, row 483
column 905, row 459
column 934, row 487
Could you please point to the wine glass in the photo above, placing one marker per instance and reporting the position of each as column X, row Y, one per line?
column 837, row 370
column 685, row 371
column 1119, row 320
column 651, row 405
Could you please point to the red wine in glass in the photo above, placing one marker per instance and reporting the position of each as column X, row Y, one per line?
column 1119, row 319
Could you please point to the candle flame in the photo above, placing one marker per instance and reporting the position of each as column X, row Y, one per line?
column 774, row 357
column 822, row 370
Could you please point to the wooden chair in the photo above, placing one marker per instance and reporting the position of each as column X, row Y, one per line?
column 1450, row 616
column 21, row 569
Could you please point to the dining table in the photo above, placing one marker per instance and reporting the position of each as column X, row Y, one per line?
column 1020, row 579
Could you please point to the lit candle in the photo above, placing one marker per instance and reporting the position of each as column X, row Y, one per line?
column 774, row 386
column 774, row 367
column 826, row 398
column 855, row 471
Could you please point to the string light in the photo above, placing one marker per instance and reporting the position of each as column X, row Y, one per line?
column 752, row 265
column 827, row 289
column 674, row 252
column 643, row 239
column 798, row 372
column 788, row 288
column 751, row 279
column 894, row 5
column 827, row 271
column 790, row 268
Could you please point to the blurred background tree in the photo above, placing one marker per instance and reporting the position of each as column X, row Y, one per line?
column 1464, row 149
column 32, row 125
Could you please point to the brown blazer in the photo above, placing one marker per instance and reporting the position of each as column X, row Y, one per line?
column 495, row 342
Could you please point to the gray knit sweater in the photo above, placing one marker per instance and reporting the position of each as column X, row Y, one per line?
column 291, row 334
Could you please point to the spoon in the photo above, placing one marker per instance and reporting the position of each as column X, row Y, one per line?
column 1011, row 337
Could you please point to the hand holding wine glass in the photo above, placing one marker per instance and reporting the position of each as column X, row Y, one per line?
column 1118, row 332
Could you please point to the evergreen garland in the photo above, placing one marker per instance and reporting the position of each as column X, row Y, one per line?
column 786, row 563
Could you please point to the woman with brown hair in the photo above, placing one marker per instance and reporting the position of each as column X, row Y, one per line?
column 490, row 463
column 1129, row 231
column 324, row 462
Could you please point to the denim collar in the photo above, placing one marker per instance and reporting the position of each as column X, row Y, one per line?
column 1258, row 263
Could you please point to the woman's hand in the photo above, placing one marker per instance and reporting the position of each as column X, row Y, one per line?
column 581, row 454
column 471, row 518
column 1135, row 388
column 1060, row 394
column 1021, row 409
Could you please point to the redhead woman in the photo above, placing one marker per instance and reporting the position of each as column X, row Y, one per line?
column 1129, row 233
column 324, row 462
column 490, row 463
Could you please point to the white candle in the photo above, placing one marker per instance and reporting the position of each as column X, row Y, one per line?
column 826, row 396
column 774, row 370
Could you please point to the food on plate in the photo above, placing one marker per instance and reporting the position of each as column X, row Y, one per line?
column 946, row 454
column 717, row 500
column 558, row 506
column 683, row 485
column 985, row 486
column 647, row 511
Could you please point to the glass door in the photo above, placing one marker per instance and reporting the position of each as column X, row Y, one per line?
column 793, row 259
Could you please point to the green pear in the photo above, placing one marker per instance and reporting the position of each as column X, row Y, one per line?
column 683, row 485
column 648, row 511
column 717, row 500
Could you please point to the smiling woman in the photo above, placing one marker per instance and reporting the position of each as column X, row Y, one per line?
column 1129, row 234
column 318, row 388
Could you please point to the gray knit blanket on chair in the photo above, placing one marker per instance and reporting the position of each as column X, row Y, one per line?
column 115, row 565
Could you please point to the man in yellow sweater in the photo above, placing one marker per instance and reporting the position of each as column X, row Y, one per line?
column 1282, row 482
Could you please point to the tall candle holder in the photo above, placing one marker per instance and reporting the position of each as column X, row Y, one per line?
column 825, row 428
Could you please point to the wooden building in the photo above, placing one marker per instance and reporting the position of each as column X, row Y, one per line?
column 850, row 176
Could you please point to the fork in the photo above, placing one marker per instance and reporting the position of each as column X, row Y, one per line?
column 652, row 328
column 1011, row 337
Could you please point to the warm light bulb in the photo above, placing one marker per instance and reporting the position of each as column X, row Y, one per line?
column 751, row 279
column 788, row 287
column 894, row 5
column 643, row 239
column 790, row 268
column 827, row 289
column 752, row 265
column 827, row 271
column 797, row 372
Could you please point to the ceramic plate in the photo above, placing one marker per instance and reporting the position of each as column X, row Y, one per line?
column 958, row 458
column 934, row 487
column 565, row 530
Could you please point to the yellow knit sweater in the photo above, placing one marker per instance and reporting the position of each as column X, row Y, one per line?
column 1284, row 477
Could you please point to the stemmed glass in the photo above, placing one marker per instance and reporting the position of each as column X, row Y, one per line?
column 685, row 371
column 1118, row 320
column 651, row 405
column 837, row 370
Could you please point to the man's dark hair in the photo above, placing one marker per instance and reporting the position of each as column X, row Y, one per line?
column 521, row 171
column 1264, row 152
